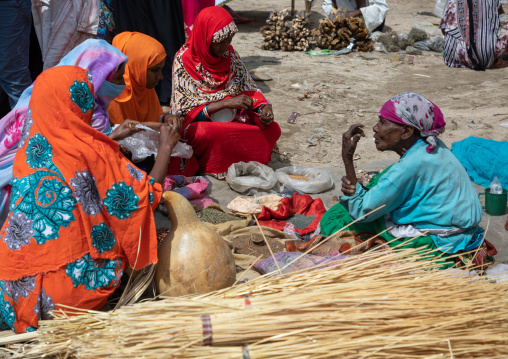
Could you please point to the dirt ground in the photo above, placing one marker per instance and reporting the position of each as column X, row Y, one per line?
column 354, row 88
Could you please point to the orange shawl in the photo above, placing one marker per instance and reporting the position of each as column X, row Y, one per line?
column 136, row 102
column 73, row 192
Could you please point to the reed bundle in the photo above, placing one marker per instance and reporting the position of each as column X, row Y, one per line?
column 375, row 305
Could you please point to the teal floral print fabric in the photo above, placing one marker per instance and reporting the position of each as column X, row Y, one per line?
column 77, row 207
column 81, row 96
column 121, row 200
column 103, row 238
column 46, row 205
column 38, row 152
column 7, row 314
column 93, row 273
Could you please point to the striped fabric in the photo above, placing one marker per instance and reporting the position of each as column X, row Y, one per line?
column 470, row 28
column 207, row 330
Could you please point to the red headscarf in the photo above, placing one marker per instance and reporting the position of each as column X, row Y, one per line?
column 213, row 24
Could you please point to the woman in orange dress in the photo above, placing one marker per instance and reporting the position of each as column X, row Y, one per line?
column 78, row 206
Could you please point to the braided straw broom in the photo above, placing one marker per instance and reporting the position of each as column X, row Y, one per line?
column 380, row 304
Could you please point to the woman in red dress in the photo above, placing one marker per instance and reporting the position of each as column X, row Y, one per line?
column 226, row 117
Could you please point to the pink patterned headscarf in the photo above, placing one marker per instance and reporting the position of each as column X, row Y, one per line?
column 413, row 109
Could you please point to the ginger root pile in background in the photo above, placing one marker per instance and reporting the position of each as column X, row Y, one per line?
column 287, row 34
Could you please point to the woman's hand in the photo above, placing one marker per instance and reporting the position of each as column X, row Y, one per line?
column 168, row 138
column 156, row 126
column 347, row 187
column 126, row 129
column 173, row 120
column 242, row 102
column 349, row 140
column 266, row 115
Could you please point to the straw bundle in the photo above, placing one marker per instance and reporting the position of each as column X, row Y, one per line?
column 375, row 305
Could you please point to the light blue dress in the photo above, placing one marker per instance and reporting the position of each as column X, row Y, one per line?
column 430, row 191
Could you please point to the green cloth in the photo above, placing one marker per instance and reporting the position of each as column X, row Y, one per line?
column 337, row 218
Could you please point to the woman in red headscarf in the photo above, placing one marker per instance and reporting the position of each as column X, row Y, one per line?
column 226, row 117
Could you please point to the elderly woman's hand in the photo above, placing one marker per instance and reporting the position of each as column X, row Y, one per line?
column 266, row 115
column 347, row 187
column 349, row 140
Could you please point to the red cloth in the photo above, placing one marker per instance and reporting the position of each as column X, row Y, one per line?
column 177, row 167
column 218, row 145
column 209, row 21
column 296, row 204
column 191, row 9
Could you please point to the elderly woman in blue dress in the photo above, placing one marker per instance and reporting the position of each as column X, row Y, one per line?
column 427, row 194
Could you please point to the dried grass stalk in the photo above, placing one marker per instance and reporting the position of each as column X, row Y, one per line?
column 374, row 305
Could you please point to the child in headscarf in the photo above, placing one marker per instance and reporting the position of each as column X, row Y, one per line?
column 139, row 101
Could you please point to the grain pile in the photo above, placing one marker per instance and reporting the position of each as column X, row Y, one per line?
column 216, row 216
column 375, row 305
column 299, row 178
column 255, row 245
column 284, row 33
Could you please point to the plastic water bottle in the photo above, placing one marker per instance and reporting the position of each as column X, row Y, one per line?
column 495, row 186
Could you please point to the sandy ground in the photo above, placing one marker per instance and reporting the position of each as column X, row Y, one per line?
column 353, row 90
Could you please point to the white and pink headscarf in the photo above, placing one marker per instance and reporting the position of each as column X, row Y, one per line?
column 413, row 109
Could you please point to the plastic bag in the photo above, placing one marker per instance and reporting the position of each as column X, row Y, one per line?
column 439, row 8
column 182, row 150
column 495, row 186
column 436, row 44
column 429, row 28
column 345, row 50
column 250, row 177
column 145, row 143
column 319, row 181
column 142, row 144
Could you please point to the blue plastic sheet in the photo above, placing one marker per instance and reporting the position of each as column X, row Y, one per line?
column 483, row 159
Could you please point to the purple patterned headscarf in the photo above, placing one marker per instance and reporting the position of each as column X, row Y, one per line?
column 413, row 109
column 102, row 60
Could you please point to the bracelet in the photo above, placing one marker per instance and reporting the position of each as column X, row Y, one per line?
column 205, row 112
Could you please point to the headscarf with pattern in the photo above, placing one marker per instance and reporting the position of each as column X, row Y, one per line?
column 413, row 109
column 200, row 78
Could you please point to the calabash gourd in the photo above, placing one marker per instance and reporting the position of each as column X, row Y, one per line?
column 193, row 258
